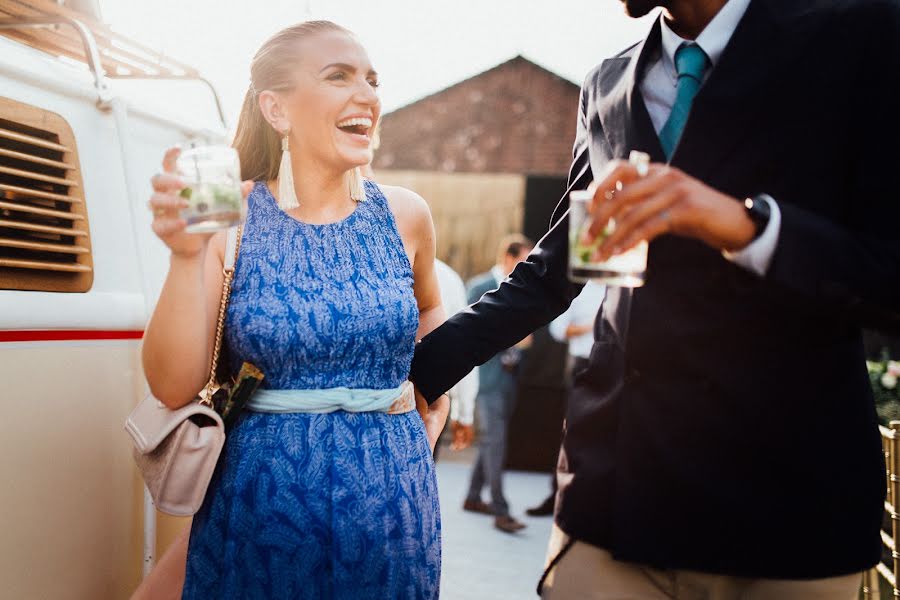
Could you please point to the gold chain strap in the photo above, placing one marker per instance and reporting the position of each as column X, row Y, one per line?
column 220, row 324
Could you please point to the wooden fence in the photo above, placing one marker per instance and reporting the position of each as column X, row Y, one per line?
column 472, row 211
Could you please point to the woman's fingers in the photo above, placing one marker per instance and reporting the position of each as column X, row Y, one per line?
column 164, row 227
column 166, row 182
column 161, row 203
column 170, row 158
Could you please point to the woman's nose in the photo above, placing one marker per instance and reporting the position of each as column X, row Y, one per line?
column 366, row 94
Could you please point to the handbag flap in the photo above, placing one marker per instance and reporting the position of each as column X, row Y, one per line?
column 151, row 421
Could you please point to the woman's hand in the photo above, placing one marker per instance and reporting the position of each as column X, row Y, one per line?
column 166, row 205
column 434, row 416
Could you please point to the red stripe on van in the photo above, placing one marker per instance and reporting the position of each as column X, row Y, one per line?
column 69, row 335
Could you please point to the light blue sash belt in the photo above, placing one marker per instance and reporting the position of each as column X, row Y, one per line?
column 394, row 401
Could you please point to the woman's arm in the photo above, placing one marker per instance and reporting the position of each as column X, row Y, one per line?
column 417, row 232
column 178, row 341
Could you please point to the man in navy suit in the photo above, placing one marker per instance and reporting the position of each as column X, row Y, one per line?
column 722, row 439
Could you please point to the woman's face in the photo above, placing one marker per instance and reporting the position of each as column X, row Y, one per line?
column 333, row 107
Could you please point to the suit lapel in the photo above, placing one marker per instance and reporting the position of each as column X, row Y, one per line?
column 627, row 126
column 620, row 106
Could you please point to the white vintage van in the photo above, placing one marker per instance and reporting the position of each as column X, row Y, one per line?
column 79, row 272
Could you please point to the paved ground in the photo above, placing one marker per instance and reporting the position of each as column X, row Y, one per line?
column 480, row 562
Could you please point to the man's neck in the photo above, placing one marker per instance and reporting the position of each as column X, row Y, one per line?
column 688, row 18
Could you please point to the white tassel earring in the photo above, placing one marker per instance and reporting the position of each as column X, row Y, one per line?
column 287, row 197
column 357, row 187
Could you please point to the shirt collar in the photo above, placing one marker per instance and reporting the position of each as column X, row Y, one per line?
column 712, row 40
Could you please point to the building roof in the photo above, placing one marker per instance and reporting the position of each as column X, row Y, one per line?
column 517, row 117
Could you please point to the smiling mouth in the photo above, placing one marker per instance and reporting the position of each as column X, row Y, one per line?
column 356, row 126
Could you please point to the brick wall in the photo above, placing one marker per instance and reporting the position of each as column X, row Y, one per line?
column 515, row 118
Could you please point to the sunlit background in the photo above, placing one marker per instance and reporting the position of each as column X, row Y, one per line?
column 418, row 47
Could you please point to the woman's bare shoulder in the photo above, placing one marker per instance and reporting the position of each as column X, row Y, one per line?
column 409, row 208
column 402, row 199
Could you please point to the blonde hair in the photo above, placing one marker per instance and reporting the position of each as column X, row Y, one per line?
column 258, row 145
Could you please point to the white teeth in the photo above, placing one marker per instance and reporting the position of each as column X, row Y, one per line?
column 356, row 121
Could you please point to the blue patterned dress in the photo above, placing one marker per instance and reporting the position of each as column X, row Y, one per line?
column 339, row 505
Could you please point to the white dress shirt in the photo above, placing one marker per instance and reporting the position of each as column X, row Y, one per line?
column 659, row 88
column 453, row 297
column 582, row 311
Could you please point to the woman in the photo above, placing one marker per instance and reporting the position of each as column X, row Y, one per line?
column 333, row 284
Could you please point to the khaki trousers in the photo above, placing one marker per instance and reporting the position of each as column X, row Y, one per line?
column 586, row 572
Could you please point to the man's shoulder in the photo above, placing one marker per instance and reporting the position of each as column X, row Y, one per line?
column 594, row 73
column 629, row 51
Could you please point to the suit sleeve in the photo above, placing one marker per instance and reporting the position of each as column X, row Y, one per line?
column 535, row 293
column 851, row 268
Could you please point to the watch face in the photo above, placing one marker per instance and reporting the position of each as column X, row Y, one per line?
column 759, row 212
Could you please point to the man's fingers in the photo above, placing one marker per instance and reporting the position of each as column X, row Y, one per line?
column 622, row 187
column 617, row 174
column 634, row 218
column 657, row 179
column 662, row 222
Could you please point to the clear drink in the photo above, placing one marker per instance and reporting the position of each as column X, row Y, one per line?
column 627, row 269
column 212, row 175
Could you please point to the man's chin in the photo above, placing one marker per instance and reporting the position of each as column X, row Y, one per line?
column 639, row 8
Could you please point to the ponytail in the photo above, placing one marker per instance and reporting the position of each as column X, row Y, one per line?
column 257, row 143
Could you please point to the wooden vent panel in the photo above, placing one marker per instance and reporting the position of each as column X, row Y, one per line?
column 45, row 241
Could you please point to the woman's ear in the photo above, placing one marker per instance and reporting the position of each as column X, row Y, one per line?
column 271, row 106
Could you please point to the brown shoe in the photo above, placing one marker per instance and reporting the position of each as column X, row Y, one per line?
column 477, row 506
column 508, row 524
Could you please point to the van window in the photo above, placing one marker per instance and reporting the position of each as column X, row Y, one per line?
column 45, row 241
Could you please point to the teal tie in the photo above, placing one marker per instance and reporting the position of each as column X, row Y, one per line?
column 691, row 63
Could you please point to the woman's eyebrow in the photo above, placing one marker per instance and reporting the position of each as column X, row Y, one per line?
column 346, row 67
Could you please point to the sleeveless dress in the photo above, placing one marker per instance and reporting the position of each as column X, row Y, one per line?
column 339, row 505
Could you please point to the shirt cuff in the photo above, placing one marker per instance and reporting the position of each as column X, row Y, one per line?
column 757, row 256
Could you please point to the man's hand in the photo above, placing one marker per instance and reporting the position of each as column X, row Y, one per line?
column 666, row 200
column 434, row 416
column 462, row 435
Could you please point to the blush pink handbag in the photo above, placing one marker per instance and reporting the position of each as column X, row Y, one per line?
column 177, row 450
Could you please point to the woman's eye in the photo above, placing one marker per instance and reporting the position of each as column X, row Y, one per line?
column 374, row 83
column 339, row 76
